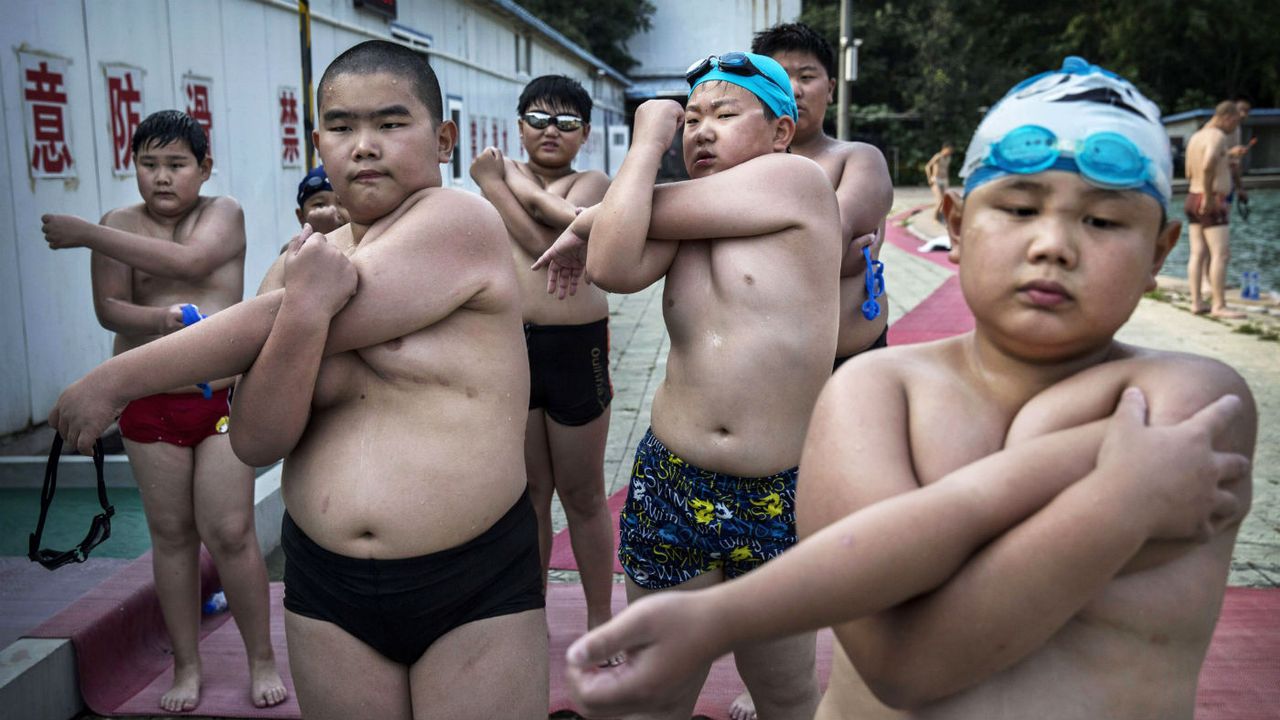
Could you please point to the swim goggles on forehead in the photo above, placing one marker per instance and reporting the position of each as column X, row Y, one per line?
column 1106, row 159
column 736, row 63
column 564, row 123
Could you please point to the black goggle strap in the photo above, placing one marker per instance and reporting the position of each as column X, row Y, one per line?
column 99, row 530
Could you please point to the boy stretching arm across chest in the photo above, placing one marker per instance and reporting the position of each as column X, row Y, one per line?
column 1070, row 539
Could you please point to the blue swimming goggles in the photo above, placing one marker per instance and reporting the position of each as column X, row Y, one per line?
column 1106, row 159
column 736, row 63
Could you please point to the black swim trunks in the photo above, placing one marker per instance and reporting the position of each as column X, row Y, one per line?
column 400, row 607
column 882, row 341
column 569, row 370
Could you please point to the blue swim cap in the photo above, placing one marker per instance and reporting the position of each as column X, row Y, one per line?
column 1081, row 119
column 315, row 181
column 759, row 74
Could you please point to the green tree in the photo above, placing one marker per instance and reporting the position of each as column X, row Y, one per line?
column 928, row 69
column 602, row 26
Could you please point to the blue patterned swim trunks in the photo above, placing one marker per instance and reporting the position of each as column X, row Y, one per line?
column 681, row 521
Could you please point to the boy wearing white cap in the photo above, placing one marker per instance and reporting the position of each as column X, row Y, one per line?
column 1063, row 552
column 746, row 248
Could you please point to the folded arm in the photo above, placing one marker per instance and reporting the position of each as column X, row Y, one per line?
column 1011, row 597
column 114, row 306
column 864, row 195
column 531, row 235
column 548, row 207
column 273, row 398
column 216, row 237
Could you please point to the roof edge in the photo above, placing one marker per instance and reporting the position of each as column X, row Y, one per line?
column 555, row 36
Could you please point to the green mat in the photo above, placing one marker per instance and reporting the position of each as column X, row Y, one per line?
column 69, row 517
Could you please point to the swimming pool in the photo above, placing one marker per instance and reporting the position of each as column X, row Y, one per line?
column 69, row 517
column 1255, row 244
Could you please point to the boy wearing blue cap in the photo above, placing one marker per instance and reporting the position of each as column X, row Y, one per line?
column 153, row 265
column 387, row 363
column 568, row 342
column 856, row 170
column 746, row 248
column 1063, row 553
column 318, row 204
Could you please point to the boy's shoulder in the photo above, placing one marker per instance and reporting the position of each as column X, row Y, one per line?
column 449, row 215
column 1176, row 384
column 785, row 172
column 126, row 217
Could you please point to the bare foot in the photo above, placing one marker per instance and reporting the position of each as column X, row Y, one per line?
column 184, row 696
column 1227, row 314
column 743, row 707
column 267, row 688
column 1200, row 309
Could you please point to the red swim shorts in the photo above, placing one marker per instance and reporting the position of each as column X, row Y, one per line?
column 1218, row 215
column 183, row 419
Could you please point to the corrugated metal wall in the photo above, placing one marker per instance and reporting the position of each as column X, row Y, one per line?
column 244, row 51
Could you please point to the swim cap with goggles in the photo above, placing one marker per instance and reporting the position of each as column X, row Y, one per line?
column 761, row 75
column 1080, row 119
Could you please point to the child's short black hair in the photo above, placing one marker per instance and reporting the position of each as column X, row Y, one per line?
column 169, row 126
column 376, row 56
column 558, row 91
column 795, row 37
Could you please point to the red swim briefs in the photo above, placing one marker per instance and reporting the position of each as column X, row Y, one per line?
column 1215, row 216
column 183, row 419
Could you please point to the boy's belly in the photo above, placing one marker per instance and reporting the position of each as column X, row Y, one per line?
column 740, row 404
column 400, row 469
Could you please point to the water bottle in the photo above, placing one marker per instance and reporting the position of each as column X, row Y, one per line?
column 216, row 603
column 1250, row 290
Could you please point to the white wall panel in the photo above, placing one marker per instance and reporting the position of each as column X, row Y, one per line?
column 62, row 336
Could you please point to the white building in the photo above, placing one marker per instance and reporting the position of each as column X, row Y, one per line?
column 73, row 74
column 685, row 31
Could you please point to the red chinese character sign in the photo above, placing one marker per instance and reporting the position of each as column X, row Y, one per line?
column 197, row 92
column 290, row 130
column 47, row 115
column 125, row 111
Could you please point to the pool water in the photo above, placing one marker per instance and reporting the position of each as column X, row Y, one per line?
column 1255, row 243
column 69, row 518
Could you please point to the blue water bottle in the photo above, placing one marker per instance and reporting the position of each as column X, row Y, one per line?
column 1250, row 291
column 215, row 603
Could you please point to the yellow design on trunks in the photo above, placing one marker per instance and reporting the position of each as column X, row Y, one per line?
column 703, row 511
column 740, row 554
column 223, row 424
column 770, row 504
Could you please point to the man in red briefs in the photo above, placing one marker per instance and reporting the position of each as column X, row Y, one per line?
column 156, row 266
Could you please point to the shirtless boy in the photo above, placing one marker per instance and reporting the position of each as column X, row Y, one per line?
column 176, row 248
column 568, row 341
column 856, row 170
column 1208, row 166
column 746, row 248
column 412, row 584
column 1064, row 553
column 318, row 204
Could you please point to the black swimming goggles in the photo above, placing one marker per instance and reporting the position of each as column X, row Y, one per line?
column 99, row 531
column 737, row 63
column 564, row 123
